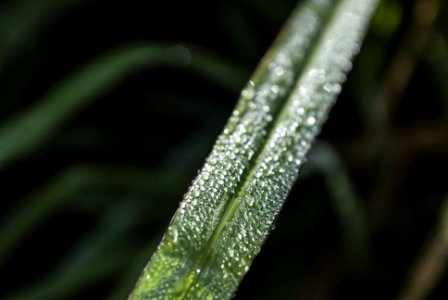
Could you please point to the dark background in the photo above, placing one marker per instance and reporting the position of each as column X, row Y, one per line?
column 82, row 210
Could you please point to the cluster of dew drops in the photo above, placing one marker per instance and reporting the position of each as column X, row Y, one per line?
column 257, row 157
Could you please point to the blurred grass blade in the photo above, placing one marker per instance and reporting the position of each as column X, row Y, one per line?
column 44, row 202
column 430, row 265
column 94, row 258
column 121, row 290
column 345, row 202
column 27, row 131
column 21, row 21
column 229, row 209
column 53, row 196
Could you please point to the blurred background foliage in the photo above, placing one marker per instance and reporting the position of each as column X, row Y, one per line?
column 108, row 109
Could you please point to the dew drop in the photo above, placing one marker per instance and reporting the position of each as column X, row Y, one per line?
column 332, row 88
column 247, row 93
column 318, row 74
column 279, row 71
column 175, row 235
column 311, row 121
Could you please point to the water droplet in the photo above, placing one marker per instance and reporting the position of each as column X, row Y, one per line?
column 318, row 74
column 251, row 201
column 311, row 121
column 248, row 93
column 175, row 235
column 356, row 48
column 279, row 71
column 242, row 128
column 332, row 88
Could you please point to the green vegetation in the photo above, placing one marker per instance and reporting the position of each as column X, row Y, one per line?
column 108, row 109
column 227, row 213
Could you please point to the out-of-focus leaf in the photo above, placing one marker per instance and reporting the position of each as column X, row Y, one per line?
column 52, row 197
column 387, row 18
column 30, row 129
column 428, row 268
column 121, row 291
column 20, row 22
column 345, row 202
column 93, row 259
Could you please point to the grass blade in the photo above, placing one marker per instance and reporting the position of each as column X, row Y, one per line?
column 228, row 211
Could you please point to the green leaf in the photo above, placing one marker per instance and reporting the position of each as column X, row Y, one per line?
column 228, row 211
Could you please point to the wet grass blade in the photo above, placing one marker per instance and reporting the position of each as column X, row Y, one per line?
column 230, row 207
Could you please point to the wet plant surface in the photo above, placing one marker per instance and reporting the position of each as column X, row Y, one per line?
column 114, row 106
